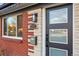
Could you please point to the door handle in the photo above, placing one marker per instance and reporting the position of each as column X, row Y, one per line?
column 47, row 40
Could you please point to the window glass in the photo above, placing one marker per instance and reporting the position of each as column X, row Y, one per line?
column 13, row 26
column 19, row 26
column 57, row 52
column 11, row 21
column 5, row 27
column 58, row 36
column 58, row 16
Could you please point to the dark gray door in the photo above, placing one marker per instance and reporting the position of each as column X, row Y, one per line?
column 59, row 30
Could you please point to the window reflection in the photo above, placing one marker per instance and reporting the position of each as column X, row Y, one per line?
column 57, row 52
column 19, row 26
column 58, row 36
column 11, row 26
column 58, row 16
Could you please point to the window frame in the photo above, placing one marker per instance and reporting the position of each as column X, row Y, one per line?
column 7, row 36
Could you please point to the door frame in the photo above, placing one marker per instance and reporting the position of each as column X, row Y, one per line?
column 71, row 24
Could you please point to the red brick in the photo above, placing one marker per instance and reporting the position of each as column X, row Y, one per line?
column 31, row 47
column 16, row 48
column 31, row 51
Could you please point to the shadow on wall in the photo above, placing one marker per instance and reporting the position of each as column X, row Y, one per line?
column 3, row 51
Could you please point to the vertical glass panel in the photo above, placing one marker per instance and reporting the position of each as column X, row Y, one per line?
column 58, row 36
column 11, row 21
column 58, row 16
column 5, row 26
column 19, row 26
column 57, row 52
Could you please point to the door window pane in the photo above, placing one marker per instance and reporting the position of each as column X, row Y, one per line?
column 11, row 21
column 58, row 36
column 58, row 16
column 57, row 52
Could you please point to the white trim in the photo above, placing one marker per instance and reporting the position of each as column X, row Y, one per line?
column 43, row 32
column 2, row 26
column 13, row 37
column 16, row 26
column 73, row 29
column 30, row 49
column 7, row 26
column 30, row 44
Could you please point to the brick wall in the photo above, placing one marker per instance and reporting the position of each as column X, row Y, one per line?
column 15, row 47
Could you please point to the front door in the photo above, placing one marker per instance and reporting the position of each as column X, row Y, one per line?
column 59, row 30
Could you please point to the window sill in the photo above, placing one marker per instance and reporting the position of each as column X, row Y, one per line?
column 13, row 38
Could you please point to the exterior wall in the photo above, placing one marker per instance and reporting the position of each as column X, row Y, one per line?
column 38, row 49
column 13, row 47
column 23, row 47
column 76, row 30
column 37, row 32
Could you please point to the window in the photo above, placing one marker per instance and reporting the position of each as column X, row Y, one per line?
column 57, row 52
column 58, row 36
column 13, row 26
column 5, row 26
column 19, row 26
column 58, row 16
